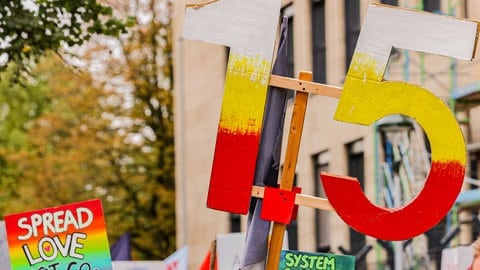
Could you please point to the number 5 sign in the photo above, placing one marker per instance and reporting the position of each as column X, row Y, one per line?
column 366, row 98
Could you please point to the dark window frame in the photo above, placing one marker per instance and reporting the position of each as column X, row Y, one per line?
column 356, row 168
column 235, row 223
column 321, row 163
column 432, row 5
column 390, row 2
column 319, row 47
column 352, row 28
column 287, row 12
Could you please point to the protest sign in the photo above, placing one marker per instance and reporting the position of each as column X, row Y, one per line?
column 70, row 237
column 295, row 260
column 138, row 265
column 177, row 260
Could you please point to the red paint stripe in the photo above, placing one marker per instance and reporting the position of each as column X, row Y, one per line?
column 422, row 213
column 233, row 171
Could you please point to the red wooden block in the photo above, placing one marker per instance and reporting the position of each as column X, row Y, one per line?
column 297, row 190
column 278, row 205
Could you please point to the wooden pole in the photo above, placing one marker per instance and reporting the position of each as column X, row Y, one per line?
column 305, row 86
column 213, row 255
column 300, row 199
column 288, row 171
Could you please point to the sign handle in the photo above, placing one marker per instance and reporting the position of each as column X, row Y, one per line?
column 300, row 199
column 288, row 171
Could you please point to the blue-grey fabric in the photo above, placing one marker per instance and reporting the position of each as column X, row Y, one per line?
column 268, row 161
column 121, row 250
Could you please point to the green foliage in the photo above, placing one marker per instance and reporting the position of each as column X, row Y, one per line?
column 29, row 28
column 149, row 72
column 72, row 153
column 19, row 106
column 82, row 138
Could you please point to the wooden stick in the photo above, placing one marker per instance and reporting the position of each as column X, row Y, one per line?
column 213, row 255
column 305, row 86
column 300, row 199
column 288, row 171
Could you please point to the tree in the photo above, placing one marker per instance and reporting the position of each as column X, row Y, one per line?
column 110, row 136
column 51, row 164
column 18, row 107
column 87, row 145
column 29, row 28
column 107, row 135
column 146, row 70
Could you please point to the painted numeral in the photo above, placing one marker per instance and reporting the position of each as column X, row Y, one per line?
column 249, row 28
column 366, row 97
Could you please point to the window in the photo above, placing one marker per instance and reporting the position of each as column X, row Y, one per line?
column 227, row 56
column 235, row 223
column 431, row 6
column 322, row 235
column 390, row 2
column 318, row 39
column 288, row 12
column 356, row 169
column 292, row 228
column 352, row 28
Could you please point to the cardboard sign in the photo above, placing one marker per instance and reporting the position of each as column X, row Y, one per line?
column 249, row 29
column 177, row 260
column 367, row 97
column 70, row 237
column 295, row 260
column 457, row 258
column 138, row 265
column 230, row 249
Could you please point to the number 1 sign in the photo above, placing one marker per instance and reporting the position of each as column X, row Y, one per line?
column 249, row 28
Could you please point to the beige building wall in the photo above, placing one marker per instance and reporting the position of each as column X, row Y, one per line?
column 199, row 71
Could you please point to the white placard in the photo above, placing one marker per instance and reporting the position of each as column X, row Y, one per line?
column 138, row 265
column 457, row 258
column 230, row 249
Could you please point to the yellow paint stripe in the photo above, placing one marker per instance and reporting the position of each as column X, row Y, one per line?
column 365, row 99
column 364, row 67
column 246, row 87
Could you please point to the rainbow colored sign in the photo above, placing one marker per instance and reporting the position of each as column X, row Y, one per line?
column 70, row 237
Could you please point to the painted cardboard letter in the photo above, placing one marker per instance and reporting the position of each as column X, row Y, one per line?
column 367, row 98
column 249, row 28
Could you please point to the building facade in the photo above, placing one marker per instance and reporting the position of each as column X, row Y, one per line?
column 389, row 158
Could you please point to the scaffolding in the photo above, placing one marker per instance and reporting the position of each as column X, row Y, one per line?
column 403, row 161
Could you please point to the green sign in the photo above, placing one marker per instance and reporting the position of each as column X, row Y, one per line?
column 295, row 260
